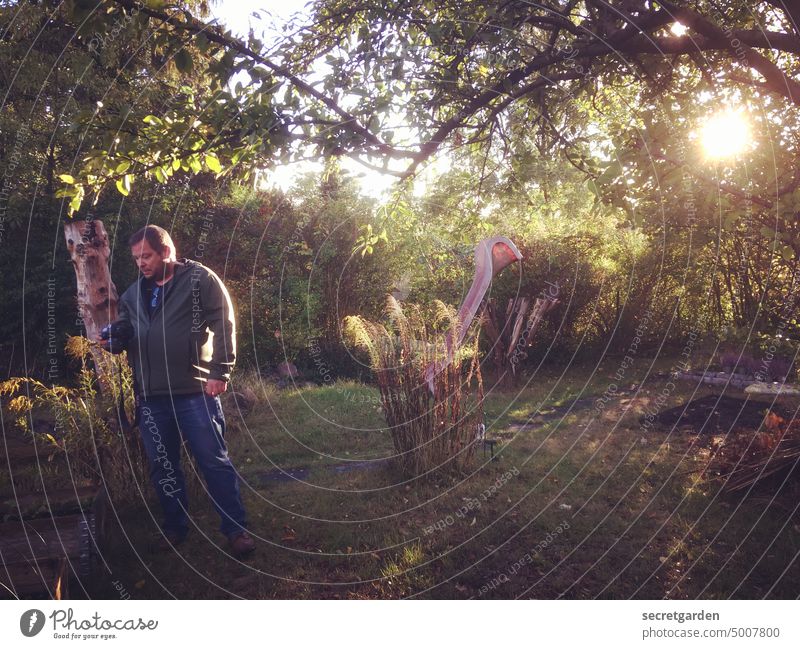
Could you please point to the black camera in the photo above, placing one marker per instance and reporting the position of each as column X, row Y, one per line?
column 117, row 334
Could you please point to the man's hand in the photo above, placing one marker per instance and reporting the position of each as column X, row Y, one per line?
column 102, row 342
column 215, row 387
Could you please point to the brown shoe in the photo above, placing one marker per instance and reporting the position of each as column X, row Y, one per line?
column 242, row 544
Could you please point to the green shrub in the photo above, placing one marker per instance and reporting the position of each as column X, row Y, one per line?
column 87, row 421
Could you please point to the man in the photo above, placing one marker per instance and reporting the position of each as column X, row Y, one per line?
column 182, row 347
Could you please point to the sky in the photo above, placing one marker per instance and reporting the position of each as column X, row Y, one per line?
column 237, row 16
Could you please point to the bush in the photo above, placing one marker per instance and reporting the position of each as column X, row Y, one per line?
column 88, row 426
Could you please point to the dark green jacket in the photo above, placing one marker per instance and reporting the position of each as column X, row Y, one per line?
column 190, row 338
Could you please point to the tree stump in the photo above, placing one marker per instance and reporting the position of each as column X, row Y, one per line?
column 87, row 243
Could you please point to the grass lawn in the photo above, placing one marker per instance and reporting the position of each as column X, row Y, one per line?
column 582, row 503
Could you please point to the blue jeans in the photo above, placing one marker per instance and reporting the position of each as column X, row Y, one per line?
column 199, row 419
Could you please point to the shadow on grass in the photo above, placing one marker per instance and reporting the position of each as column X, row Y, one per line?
column 584, row 504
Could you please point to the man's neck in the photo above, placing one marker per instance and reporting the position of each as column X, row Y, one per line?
column 169, row 271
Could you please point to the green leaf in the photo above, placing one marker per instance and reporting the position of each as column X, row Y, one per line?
column 787, row 253
column 124, row 184
column 152, row 119
column 611, row 173
column 212, row 162
column 75, row 203
column 67, row 179
column 123, row 166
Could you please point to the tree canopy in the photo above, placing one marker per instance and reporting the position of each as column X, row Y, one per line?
column 569, row 123
column 400, row 81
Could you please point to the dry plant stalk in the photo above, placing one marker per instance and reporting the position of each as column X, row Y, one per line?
column 432, row 432
column 773, row 452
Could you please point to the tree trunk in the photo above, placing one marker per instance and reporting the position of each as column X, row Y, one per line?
column 718, row 301
column 87, row 243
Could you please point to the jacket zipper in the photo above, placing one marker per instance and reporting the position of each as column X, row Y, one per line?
column 147, row 345
column 150, row 319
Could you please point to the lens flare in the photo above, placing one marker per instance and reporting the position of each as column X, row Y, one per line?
column 677, row 29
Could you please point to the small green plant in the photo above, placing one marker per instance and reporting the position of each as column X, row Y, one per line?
column 404, row 574
column 432, row 431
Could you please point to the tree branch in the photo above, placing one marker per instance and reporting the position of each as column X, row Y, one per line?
column 688, row 44
column 725, row 187
column 192, row 26
column 590, row 50
column 773, row 75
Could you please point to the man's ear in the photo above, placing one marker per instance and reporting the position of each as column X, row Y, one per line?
column 168, row 253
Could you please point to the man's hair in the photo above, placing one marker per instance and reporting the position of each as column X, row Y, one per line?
column 156, row 236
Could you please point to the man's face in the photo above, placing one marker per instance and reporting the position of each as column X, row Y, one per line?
column 150, row 262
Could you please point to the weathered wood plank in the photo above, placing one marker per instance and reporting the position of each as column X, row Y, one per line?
column 50, row 502
column 50, row 578
column 41, row 539
column 15, row 451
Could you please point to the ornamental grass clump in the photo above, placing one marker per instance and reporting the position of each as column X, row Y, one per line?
column 436, row 431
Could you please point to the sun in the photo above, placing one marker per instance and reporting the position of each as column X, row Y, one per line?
column 725, row 134
column 677, row 29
